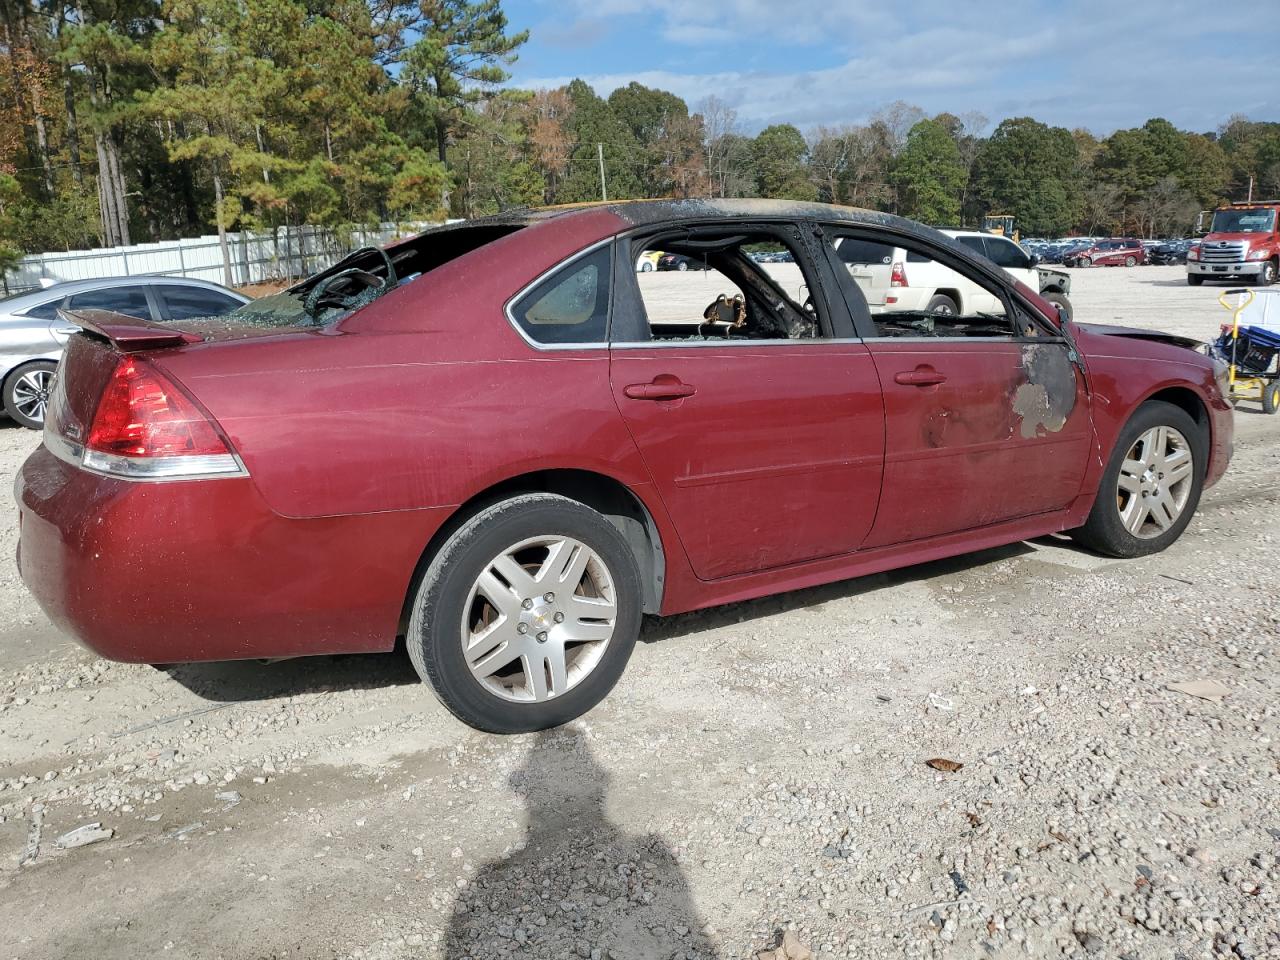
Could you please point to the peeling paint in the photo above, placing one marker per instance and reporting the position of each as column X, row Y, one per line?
column 1046, row 400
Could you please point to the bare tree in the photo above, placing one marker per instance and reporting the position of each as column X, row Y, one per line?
column 829, row 161
column 720, row 132
column 1099, row 204
column 549, row 138
column 973, row 124
column 1166, row 208
column 898, row 118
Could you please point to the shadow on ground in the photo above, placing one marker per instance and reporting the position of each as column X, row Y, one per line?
column 578, row 883
column 240, row 680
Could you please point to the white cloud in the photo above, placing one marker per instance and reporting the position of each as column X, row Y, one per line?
column 1094, row 63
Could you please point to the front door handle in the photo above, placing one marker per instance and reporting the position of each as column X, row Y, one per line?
column 662, row 387
column 922, row 376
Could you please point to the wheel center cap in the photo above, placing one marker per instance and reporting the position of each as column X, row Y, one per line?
column 541, row 616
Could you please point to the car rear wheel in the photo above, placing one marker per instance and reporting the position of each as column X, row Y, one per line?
column 1151, row 486
column 526, row 617
column 1130, row 261
column 683, row 266
column 1084, row 262
column 26, row 393
column 944, row 305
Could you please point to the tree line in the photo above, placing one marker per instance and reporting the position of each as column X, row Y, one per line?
column 124, row 121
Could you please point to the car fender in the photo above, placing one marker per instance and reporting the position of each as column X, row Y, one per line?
column 1117, row 394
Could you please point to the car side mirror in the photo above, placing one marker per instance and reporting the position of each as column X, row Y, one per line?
column 1033, row 260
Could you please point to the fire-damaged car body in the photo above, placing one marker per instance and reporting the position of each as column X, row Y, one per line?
column 487, row 441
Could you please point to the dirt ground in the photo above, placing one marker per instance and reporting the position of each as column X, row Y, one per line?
column 759, row 769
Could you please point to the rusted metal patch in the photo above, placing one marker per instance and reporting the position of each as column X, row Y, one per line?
column 1046, row 400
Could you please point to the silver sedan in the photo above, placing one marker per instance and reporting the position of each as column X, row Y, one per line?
column 32, row 336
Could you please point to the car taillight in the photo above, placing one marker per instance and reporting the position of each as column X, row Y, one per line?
column 146, row 428
column 898, row 278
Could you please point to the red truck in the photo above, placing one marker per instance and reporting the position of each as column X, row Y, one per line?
column 1243, row 243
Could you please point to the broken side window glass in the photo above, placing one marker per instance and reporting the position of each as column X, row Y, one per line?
column 570, row 306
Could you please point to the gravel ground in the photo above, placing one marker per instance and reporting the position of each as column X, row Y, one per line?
column 760, row 770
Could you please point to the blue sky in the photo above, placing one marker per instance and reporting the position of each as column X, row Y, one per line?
column 1098, row 65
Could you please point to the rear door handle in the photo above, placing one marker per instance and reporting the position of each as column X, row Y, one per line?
column 662, row 387
column 922, row 376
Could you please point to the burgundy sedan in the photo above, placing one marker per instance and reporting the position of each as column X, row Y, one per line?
column 493, row 441
column 1109, row 253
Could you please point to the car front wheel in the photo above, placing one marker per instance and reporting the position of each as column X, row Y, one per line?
column 26, row 393
column 526, row 617
column 1151, row 486
column 1267, row 275
column 1060, row 301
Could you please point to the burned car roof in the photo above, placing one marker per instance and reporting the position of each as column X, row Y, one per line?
column 646, row 212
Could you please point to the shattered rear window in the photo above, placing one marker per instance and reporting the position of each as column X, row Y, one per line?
column 366, row 275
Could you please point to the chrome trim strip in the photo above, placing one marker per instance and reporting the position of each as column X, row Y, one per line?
column 818, row 342
column 202, row 467
column 145, row 470
column 666, row 344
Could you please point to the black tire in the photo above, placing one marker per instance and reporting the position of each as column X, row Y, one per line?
column 1271, row 397
column 683, row 266
column 1195, row 279
column 433, row 635
column 1103, row 531
column 1061, row 301
column 1267, row 275
column 11, row 383
column 943, row 304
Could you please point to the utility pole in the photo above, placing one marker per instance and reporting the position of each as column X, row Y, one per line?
column 604, row 193
column 1250, row 200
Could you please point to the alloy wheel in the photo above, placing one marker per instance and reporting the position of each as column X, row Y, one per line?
column 1155, row 482
column 538, row 619
column 31, row 393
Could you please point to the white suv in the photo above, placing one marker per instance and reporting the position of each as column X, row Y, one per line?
column 897, row 280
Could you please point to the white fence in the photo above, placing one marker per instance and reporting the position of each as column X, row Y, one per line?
column 286, row 252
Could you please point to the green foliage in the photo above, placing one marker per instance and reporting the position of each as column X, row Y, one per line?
column 592, row 121
column 779, row 153
column 669, row 150
column 930, row 174
column 1028, row 169
column 458, row 59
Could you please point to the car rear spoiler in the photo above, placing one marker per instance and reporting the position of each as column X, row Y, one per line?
column 128, row 334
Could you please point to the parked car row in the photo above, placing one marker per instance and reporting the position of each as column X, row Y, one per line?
column 1109, row 251
column 32, row 336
